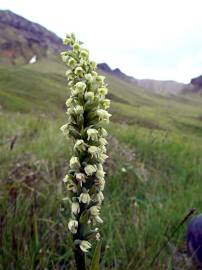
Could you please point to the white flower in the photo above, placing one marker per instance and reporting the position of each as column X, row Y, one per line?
column 100, row 197
column 100, row 79
column 66, row 178
column 92, row 134
column 105, row 103
column 84, row 198
column 94, row 151
column 70, row 111
column 90, row 169
column 71, row 186
column 103, row 132
column 89, row 77
column 100, row 173
column 78, row 109
column 103, row 149
column 103, row 115
column 85, row 245
column 102, row 157
column 102, row 91
column 76, row 47
column 97, row 236
column 84, row 54
column 79, row 71
column 69, row 102
column 65, row 129
column 81, row 86
column 80, row 145
column 93, row 64
column 73, row 225
column 101, row 183
column 80, row 177
column 123, row 169
column 66, row 41
column 103, row 141
column 95, row 210
column 74, row 163
column 89, row 96
column 65, row 58
column 72, row 62
column 98, row 219
column 75, row 208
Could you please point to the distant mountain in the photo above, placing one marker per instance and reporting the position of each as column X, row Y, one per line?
column 21, row 39
column 156, row 86
column 116, row 72
column 159, row 86
column 195, row 86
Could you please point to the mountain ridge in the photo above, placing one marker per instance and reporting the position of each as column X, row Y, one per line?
column 21, row 40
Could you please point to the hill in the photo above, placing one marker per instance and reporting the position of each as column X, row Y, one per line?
column 21, row 39
column 156, row 86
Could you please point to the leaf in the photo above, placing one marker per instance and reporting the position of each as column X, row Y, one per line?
column 96, row 257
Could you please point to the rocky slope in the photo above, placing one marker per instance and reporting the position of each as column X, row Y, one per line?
column 194, row 87
column 21, row 39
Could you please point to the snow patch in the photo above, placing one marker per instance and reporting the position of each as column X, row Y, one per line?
column 33, row 60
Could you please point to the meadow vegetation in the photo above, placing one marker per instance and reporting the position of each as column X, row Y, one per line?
column 153, row 178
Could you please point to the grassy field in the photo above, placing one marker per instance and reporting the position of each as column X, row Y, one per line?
column 154, row 173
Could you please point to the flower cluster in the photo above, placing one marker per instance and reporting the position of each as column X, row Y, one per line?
column 87, row 115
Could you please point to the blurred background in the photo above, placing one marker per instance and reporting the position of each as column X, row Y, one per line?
column 150, row 53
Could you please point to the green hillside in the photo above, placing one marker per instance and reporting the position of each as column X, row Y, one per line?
column 154, row 172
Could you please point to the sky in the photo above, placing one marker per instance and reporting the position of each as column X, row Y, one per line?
column 155, row 39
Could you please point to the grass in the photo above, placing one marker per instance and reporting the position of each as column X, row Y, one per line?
column 153, row 173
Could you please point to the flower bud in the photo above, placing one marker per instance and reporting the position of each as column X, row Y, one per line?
column 80, row 145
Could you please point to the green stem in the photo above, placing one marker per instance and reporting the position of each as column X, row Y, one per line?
column 79, row 259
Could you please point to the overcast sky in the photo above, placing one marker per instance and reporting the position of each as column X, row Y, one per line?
column 158, row 39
